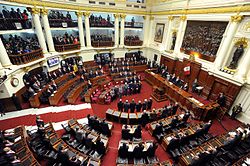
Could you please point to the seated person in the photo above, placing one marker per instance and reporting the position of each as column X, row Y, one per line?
column 125, row 133
column 138, row 151
column 151, row 149
column 138, row 132
column 74, row 161
column 174, row 122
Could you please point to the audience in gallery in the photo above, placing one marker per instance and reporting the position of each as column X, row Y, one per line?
column 99, row 21
column 65, row 39
column 131, row 38
column 16, row 45
column 100, row 37
column 7, row 146
column 8, row 19
column 58, row 15
column 204, row 39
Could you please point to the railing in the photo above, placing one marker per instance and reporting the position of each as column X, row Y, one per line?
column 133, row 24
column 64, row 23
column 14, row 24
column 133, row 42
column 67, row 47
column 26, row 58
column 102, row 43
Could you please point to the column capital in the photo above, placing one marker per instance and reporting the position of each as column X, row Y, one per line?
column 123, row 16
column 151, row 18
column 183, row 18
column 170, row 18
column 44, row 11
column 35, row 10
column 79, row 13
column 241, row 41
column 86, row 14
column 116, row 15
column 237, row 18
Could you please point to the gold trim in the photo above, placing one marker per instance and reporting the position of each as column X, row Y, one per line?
column 231, row 70
column 151, row 18
column 183, row 18
column 44, row 11
column 123, row 16
column 35, row 10
column 237, row 18
column 116, row 15
column 79, row 14
column 170, row 18
column 86, row 14
column 241, row 41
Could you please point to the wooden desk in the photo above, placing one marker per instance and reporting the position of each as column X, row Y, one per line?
column 56, row 97
column 75, row 93
column 184, row 98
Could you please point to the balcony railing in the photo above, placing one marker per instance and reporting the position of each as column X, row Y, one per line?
column 133, row 42
column 26, row 58
column 102, row 43
column 62, row 23
column 14, row 24
column 67, row 47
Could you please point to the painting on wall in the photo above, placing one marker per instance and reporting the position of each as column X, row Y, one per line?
column 159, row 30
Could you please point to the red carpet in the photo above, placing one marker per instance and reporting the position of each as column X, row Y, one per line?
column 99, row 110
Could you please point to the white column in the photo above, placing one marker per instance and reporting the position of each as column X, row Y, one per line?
column 38, row 28
column 87, row 28
column 116, row 29
column 179, row 38
column 150, row 31
column 244, row 66
column 224, row 47
column 123, row 16
column 80, row 28
column 47, row 30
column 4, row 58
column 169, row 33
column 146, row 31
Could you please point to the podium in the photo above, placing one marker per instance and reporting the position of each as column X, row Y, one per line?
column 159, row 94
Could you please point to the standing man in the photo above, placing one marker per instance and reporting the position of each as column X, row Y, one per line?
column 138, row 106
column 132, row 106
column 236, row 110
column 144, row 105
column 126, row 106
column 150, row 102
column 221, row 100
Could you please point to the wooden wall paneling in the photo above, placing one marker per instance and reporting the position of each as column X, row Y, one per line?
column 178, row 70
column 170, row 63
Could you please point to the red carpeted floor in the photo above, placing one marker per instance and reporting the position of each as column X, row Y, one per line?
column 99, row 110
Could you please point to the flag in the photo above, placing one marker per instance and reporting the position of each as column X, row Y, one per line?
column 187, row 69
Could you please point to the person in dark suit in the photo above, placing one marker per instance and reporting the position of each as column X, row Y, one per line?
column 174, row 122
column 175, row 108
column 207, row 126
column 62, row 156
column 221, row 100
column 105, row 128
column 151, row 149
column 88, row 142
column 90, row 120
column 39, row 121
column 158, row 129
column 173, row 143
column 132, row 106
column 145, row 105
column 73, row 161
column 123, row 151
column 144, row 118
column 79, row 135
column 138, row 106
column 125, row 133
column 120, row 105
column 194, row 85
column 137, row 133
column 186, row 116
column 100, row 148
column 126, row 106
column 236, row 110
column 138, row 151
column 149, row 104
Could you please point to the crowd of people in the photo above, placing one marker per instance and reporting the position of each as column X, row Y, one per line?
column 99, row 125
column 100, row 37
column 7, row 144
column 65, row 39
column 163, row 71
column 16, row 45
column 204, row 38
column 58, row 19
column 131, row 132
column 133, row 106
column 130, row 38
column 9, row 19
column 99, row 21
